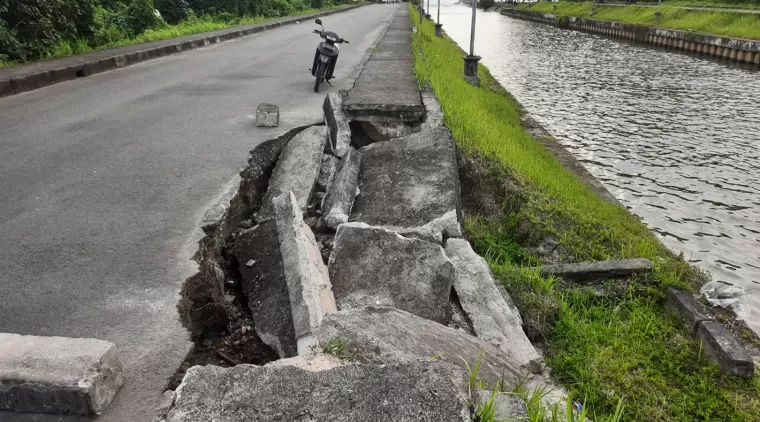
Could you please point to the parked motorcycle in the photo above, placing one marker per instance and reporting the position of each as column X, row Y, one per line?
column 326, row 56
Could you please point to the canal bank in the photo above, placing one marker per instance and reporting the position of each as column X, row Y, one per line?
column 605, row 346
column 732, row 49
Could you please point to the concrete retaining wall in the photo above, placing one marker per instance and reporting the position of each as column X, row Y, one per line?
column 732, row 49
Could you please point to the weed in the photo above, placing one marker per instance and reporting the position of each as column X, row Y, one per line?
column 336, row 347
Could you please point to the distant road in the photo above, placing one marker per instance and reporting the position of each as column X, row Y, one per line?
column 105, row 178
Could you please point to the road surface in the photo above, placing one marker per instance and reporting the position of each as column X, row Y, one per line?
column 105, row 179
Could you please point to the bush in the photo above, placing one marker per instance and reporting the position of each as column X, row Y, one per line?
column 110, row 26
column 173, row 11
column 141, row 15
column 485, row 4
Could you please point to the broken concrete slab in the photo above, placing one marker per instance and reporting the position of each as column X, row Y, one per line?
column 386, row 91
column 381, row 132
column 492, row 319
column 214, row 215
column 326, row 172
column 387, row 335
column 309, row 288
column 267, row 115
column 58, row 374
column 507, row 407
column 591, row 271
column 339, row 199
column 411, row 185
column 296, row 170
column 433, row 110
column 372, row 266
column 266, row 288
column 725, row 349
column 409, row 392
column 338, row 131
column 687, row 307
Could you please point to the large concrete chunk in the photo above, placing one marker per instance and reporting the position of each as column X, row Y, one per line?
column 309, row 288
column 58, row 374
column 263, row 278
column 590, row 271
column 507, row 407
column 411, row 185
column 725, row 349
column 688, row 308
column 492, row 319
column 338, row 131
column 371, row 266
column 267, row 115
column 411, row 392
column 387, row 335
column 336, row 207
column 296, row 170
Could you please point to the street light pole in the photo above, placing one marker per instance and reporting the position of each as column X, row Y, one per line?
column 471, row 61
column 427, row 15
column 438, row 25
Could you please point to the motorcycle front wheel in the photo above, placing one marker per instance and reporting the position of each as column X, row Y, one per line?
column 320, row 74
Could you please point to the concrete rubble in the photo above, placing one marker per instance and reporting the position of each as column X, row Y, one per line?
column 338, row 131
column 339, row 199
column 400, row 392
column 411, row 185
column 303, row 152
column 58, row 374
column 267, row 115
column 492, row 319
column 372, row 266
column 507, row 407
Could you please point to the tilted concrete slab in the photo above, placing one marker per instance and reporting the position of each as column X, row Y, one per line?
column 338, row 130
column 386, row 335
column 58, row 374
column 309, row 288
column 687, row 307
column 337, row 204
column 492, row 319
column 406, row 392
column 590, row 271
column 411, row 185
column 296, row 170
column 372, row 266
column 721, row 345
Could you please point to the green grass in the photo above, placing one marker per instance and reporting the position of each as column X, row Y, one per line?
column 196, row 26
column 624, row 349
column 336, row 347
column 718, row 22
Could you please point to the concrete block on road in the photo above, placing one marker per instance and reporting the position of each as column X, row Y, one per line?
column 336, row 207
column 411, row 185
column 308, row 281
column 725, row 349
column 372, row 266
column 296, row 170
column 58, row 374
column 591, row 271
column 338, row 131
column 267, row 115
column 492, row 319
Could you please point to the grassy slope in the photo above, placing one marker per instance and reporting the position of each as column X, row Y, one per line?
column 601, row 349
column 68, row 48
column 716, row 22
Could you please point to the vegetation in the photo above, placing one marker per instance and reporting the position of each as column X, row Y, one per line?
column 336, row 347
column 37, row 29
column 718, row 21
column 615, row 350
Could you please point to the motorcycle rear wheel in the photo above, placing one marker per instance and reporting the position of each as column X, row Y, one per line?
column 320, row 75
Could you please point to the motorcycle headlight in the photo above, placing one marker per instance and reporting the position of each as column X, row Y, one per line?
column 329, row 38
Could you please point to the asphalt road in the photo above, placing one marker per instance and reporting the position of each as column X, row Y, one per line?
column 105, row 179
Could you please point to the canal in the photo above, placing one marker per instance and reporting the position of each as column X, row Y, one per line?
column 675, row 138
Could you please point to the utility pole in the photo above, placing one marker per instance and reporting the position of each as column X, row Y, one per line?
column 471, row 61
column 438, row 25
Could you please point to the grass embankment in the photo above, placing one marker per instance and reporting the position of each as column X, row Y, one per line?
column 717, row 22
column 190, row 27
column 604, row 349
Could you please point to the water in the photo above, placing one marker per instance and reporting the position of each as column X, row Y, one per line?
column 675, row 138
